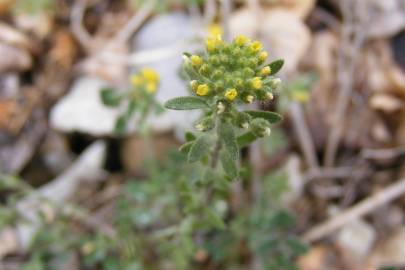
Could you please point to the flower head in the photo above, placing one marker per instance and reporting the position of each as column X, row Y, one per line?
column 202, row 90
column 231, row 94
column 196, row 60
column 213, row 43
column 265, row 71
column 256, row 46
column 150, row 75
column 257, row 83
column 263, row 56
column 215, row 30
column 241, row 40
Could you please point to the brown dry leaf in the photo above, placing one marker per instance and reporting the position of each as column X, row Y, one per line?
column 6, row 5
column 8, row 240
column 386, row 103
column 14, row 59
column 301, row 8
column 64, row 50
column 316, row 259
column 41, row 24
column 389, row 252
column 135, row 151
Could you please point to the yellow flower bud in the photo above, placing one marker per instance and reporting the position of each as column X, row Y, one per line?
column 241, row 40
column 257, row 83
column 249, row 98
column 213, row 42
column 196, row 60
column 202, row 90
column 269, row 96
column 136, row 80
column 263, row 56
column 150, row 75
column 215, row 30
column 256, row 46
column 265, row 71
column 231, row 94
column 151, row 87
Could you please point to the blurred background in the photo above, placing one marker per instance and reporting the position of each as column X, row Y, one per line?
column 325, row 191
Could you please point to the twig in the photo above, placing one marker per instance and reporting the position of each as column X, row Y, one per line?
column 226, row 9
column 347, row 63
column 133, row 24
column 388, row 153
column 340, row 172
column 303, row 134
column 76, row 18
column 366, row 206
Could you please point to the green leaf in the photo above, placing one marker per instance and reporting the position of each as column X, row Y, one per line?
column 121, row 124
column 246, row 139
column 271, row 117
column 215, row 220
column 226, row 134
column 275, row 66
column 110, row 97
column 200, row 148
column 186, row 103
column 190, row 136
column 228, row 165
column 185, row 148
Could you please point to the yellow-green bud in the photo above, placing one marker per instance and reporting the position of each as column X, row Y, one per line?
column 231, row 94
column 202, row 90
column 265, row 71
column 194, row 85
column 196, row 61
column 249, row 98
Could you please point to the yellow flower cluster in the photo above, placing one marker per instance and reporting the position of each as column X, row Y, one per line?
column 231, row 71
column 147, row 78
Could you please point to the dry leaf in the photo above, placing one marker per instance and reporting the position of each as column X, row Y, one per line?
column 386, row 103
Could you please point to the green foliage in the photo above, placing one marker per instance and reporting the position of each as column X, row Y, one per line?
column 34, row 7
column 138, row 99
column 186, row 103
column 276, row 66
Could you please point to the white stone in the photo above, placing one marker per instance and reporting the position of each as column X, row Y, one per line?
column 357, row 238
column 82, row 110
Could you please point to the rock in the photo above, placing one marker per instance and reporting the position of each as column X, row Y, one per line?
column 357, row 238
column 14, row 59
column 82, row 110
column 283, row 33
column 388, row 18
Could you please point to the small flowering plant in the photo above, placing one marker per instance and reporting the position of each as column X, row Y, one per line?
column 227, row 75
column 139, row 98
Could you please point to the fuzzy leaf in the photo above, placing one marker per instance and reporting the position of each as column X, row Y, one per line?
column 246, row 139
column 110, row 97
column 215, row 220
column 190, row 136
column 275, row 66
column 185, row 148
column 200, row 148
column 186, row 103
column 228, row 165
column 271, row 117
column 226, row 134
